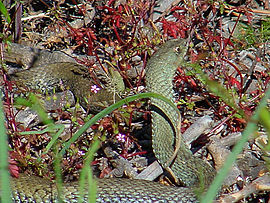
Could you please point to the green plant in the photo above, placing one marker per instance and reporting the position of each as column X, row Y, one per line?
column 86, row 171
column 254, row 36
column 4, row 173
column 249, row 130
column 4, row 11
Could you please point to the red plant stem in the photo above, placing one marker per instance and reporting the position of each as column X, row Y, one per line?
column 227, row 41
column 78, row 7
column 117, row 34
column 239, row 73
column 10, row 118
column 8, row 100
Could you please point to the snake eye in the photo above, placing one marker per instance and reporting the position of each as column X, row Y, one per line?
column 177, row 50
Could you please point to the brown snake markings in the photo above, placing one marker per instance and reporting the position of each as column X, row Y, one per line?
column 189, row 170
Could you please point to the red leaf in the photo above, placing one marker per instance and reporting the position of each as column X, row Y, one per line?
column 13, row 168
column 234, row 81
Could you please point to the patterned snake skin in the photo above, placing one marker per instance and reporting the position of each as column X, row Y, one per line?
column 189, row 171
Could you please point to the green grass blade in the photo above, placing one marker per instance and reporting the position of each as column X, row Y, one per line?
column 265, row 119
column 215, row 87
column 86, row 171
column 251, row 127
column 34, row 103
column 4, row 173
column 58, row 174
column 108, row 110
column 4, row 11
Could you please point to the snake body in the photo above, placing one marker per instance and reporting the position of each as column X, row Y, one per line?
column 187, row 169
column 160, row 71
column 35, row 189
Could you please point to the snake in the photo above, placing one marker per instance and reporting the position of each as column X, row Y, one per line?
column 189, row 171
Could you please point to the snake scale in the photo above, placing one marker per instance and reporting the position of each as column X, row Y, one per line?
column 189, row 170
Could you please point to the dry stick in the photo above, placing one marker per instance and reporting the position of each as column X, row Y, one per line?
column 18, row 22
column 260, row 11
column 248, row 77
column 260, row 184
column 230, row 9
column 40, row 15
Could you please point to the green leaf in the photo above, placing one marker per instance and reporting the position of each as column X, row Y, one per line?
column 4, row 11
column 4, row 173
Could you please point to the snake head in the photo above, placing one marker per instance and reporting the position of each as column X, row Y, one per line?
column 171, row 54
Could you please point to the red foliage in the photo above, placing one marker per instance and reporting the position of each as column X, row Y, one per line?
column 176, row 28
column 13, row 168
column 233, row 81
column 84, row 36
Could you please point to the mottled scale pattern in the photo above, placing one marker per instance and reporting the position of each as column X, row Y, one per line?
column 35, row 189
column 56, row 77
column 66, row 76
column 160, row 71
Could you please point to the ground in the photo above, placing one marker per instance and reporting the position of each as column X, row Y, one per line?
column 229, row 75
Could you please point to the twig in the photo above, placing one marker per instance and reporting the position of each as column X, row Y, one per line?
column 260, row 184
column 40, row 15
